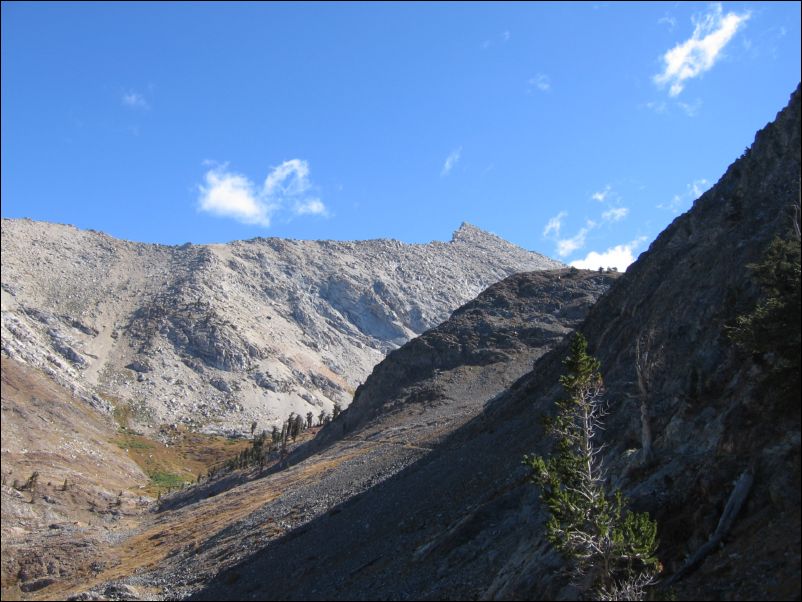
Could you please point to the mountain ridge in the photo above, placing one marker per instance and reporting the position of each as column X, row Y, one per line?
column 261, row 327
column 465, row 232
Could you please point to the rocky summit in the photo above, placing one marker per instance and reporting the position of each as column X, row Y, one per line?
column 218, row 336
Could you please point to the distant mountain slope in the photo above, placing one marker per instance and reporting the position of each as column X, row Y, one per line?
column 463, row 522
column 56, row 529
column 217, row 336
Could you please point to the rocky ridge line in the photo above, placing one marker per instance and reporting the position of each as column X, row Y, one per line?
column 217, row 336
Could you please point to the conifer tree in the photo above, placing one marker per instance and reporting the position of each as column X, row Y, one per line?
column 772, row 329
column 612, row 550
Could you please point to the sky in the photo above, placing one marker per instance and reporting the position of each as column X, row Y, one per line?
column 577, row 130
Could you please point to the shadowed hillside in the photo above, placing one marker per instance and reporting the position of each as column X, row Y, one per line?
column 463, row 522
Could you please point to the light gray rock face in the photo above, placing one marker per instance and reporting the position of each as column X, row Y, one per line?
column 217, row 336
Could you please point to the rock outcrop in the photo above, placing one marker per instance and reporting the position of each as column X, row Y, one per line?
column 217, row 336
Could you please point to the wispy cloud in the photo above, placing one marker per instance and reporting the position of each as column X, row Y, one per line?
column 541, row 81
column 691, row 109
column 668, row 20
column 504, row 36
column 619, row 256
column 681, row 201
column 661, row 107
column 554, row 224
column 697, row 187
column 566, row 246
column 658, row 106
column 601, row 195
column 225, row 193
column 135, row 100
column 451, row 161
column 288, row 179
column 615, row 214
column 689, row 59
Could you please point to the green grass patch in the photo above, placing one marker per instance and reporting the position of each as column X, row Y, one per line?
column 186, row 455
column 165, row 479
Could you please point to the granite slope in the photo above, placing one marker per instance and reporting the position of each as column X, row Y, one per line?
column 217, row 336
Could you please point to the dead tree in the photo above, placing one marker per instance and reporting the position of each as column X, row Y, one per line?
column 647, row 361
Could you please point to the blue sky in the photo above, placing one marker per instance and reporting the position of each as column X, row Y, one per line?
column 569, row 129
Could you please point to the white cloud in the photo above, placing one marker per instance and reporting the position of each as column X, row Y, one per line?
column 689, row 59
column 310, row 207
column 505, row 35
column 620, row 257
column 228, row 194
column 615, row 214
column 554, row 224
column 135, row 100
column 451, row 161
column 566, row 246
column 541, row 81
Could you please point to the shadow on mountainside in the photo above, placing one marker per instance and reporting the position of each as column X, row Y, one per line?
column 462, row 522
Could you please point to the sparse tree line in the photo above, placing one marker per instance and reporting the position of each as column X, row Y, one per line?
column 266, row 445
column 34, row 488
column 31, row 484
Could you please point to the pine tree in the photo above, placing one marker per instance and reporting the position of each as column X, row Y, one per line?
column 296, row 425
column 772, row 329
column 611, row 548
